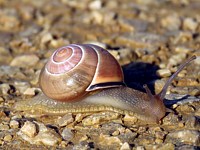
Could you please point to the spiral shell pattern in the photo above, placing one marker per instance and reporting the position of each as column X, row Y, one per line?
column 74, row 70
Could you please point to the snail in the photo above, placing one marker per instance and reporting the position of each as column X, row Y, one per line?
column 87, row 78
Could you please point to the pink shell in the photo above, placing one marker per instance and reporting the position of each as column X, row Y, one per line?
column 74, row 70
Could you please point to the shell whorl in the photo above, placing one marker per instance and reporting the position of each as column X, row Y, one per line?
column 74, row 70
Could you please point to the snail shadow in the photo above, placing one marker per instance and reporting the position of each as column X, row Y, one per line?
column 136, row 74
column 169, row 102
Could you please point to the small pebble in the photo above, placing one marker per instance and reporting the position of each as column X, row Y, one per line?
column 163, row 72
column 30, row 91
column 190, row 24
column 125, row 146
column 14, row 124
column 195, row 92
column 67, row 134
column 65, row 120
column 46, row 37
column 24, row 61
column 109, row 140
column 45, row 135
column 185, row 136
column 167, row 146
column 160, row 134
column 171, row 22
column 182, row 50
column 4, row 88
column 4, row 127
column 192, row 122
column 29, row 129
column 139, row 148
column 116, row 133
column 96, row 4
column 158, row 141
column 84, row 138
column 21, row 86
column 7, row 138
column 1, row 99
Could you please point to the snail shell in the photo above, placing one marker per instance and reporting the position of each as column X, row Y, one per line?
column 74, row 70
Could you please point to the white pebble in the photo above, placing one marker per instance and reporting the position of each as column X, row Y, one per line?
column 30, row 91
column 45, row 135
column 29, row 129
column 190, row 24
column 125, row 146
column 94, row 5
column 14, row 124
column 163, row 72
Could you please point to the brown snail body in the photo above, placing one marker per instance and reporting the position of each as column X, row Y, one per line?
column 113, row 96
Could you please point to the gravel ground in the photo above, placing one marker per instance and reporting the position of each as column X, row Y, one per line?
column 149, row 38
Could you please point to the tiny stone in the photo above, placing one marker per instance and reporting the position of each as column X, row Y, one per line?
column 14, row 124
column 1, row 99
column 1, row 142
column 192, row 122
column 158, row 85
column 125, row 146
column 163, row 72
column 171, row 119
column 180, row 124
column 21, row 86
column 67, row 134
column 45, row 135
column 30, row 91
column 49, row 138
column 97, row 17
column 84, row 138
column 171, row 22
column 79, row 117
column 167, row 146
column 142, row 130
column 24, row 61
column 4, row 88
column 160, row 134
column 140, row 148
column 182, row 50
column 190, row 24
column 195, row 92
column 185, row 136
column 116, row 133
column 63, row 144
column 29, row 129
column 109, row 140
column 7, row 138
column 176, row 59
column 4, row 127
column 65, row 120
column 96, row 4
column 46, row 38
column 186, row 109
column 158, row 141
